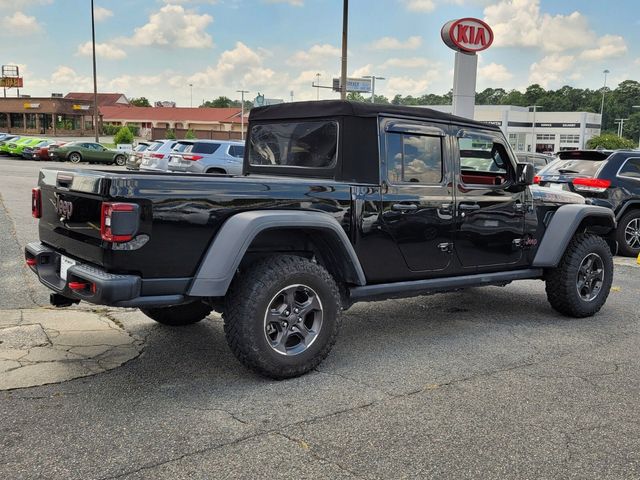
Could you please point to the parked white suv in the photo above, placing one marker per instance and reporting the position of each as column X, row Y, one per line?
column 208, row 156
column 156, row 156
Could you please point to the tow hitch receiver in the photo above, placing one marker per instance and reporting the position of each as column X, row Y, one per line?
column 60, row 301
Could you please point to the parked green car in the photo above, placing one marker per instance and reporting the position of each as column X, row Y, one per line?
column 5, row 146
column 16, row 149
column 76, row 152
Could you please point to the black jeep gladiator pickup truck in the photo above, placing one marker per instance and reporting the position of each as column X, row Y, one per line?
column 338, row 203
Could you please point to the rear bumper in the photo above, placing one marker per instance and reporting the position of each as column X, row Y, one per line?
column 103, row 288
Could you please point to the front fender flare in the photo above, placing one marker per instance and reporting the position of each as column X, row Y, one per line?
column 219, row 265
column 563, row 227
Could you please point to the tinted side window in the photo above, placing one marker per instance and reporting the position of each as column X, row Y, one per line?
column 236, row 151
column 631, row 168
column 414, row 158
column 299, row 144
column 199, row 147
column 482, row 161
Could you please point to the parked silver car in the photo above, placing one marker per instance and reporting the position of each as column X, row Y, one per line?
column 208, row 156
column 156, row 156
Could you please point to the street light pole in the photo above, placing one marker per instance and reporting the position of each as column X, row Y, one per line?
column 95, row 81
column 604, row 90
column 620, row 122
column 242, row 112
column 533, row 128
column 317, row 86
column 373, row 86
column 345, row 29
column 637, row 106
column 191, row 88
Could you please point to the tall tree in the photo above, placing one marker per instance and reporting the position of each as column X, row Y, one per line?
column 140, row 102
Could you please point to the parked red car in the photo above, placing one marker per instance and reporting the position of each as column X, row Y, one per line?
column 42, row 153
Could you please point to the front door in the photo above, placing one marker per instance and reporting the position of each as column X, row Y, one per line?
column 490, row 208
column 417, row 195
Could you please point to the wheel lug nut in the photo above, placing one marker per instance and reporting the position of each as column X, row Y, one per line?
column 287, row 312
column 299, row 319
column 295, row 310
column 285, row 324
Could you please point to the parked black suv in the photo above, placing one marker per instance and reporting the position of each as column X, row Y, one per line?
column 606, row 178
column 338, row 203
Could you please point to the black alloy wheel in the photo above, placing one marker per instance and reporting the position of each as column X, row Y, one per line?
column 590, row 277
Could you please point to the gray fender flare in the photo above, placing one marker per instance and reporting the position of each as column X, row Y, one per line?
column 219, row 265
column 563, row 227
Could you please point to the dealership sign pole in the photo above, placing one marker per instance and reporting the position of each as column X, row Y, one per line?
column 466, row 36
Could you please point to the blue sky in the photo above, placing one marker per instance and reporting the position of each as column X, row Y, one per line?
column 156, row 48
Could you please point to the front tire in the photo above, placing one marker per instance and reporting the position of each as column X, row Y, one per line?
column 75, row 157
column 628, row 234
column 580, row 284
column 282, row 316
column 178, row 315
column 120, row 160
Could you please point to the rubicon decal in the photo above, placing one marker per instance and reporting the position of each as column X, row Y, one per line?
column 467, row 35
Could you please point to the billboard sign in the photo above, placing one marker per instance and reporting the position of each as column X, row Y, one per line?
column 11, row 82
column 360, row 85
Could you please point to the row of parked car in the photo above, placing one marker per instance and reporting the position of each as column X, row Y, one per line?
column 36, row 148
column 188, row 156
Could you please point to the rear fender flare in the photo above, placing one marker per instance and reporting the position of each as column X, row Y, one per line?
column 564, row 225
column 219, row 265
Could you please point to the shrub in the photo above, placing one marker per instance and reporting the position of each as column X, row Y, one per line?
column 190, row 135
column 123, row 136
column 610, row 141
column 170, row 134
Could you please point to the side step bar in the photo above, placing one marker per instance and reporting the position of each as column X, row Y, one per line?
column 433, row 285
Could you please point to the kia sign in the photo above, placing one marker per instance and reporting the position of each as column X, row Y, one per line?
column 467, row 35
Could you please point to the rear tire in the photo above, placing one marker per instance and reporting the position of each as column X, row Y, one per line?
column 178, row 315
column 75, row 157
column 282, row 316
column 120, row 160
column 628, row 234
column 580, row 284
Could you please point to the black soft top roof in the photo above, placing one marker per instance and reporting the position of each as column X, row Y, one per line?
column 334, row 108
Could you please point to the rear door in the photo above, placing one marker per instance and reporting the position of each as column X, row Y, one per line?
column 490, row 213
column 417, row 194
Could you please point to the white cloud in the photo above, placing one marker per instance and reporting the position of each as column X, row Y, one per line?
column 64, row 75
column 392, row 43
column 100, row 14
column 23, row 3
column 420, row 5
column 417, row 85
column 206, row 2
column 413, row 62
column 173, row 26
column 126, row 83
column 494, row 73
column 294, row 3
column 362, row 71
column 551, row 70
column 20, row 24
column 609, row 46
column 519, row 23
column 314, row 55
column 103, row 50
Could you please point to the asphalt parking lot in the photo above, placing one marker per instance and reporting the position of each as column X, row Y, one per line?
column 485, row 383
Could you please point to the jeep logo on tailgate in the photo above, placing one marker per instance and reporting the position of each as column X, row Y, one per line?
column 64, row 208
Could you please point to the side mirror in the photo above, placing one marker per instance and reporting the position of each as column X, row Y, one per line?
column 525, row 173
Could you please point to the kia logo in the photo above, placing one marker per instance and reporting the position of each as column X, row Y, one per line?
column 64, row 208
column 467, row 35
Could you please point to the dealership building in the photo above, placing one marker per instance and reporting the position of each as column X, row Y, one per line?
column 538, row 131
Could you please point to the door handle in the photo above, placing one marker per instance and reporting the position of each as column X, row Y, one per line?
column 469, row 206
column 404, row 207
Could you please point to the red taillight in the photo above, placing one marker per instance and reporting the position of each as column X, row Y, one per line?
column 79, row 286
column 32, row 262
column 193, row 158
column 36, row 202
column 536, row 179
column 590, row 184
column 107, row 214
column 157, row 155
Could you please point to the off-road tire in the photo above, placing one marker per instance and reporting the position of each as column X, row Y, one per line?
column 623, row 247
column 249, row 299
column 120, row 160
column 178, row 315
column 75, row 157
column 561, row 282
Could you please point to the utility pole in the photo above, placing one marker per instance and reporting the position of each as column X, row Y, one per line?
column 95, row 81
column 292, row 96
column 242, row 111
column 620, row 122
column 345, row 30
column 373, row 86
column 533, row 128
column 604, row 90
column 317, row 86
